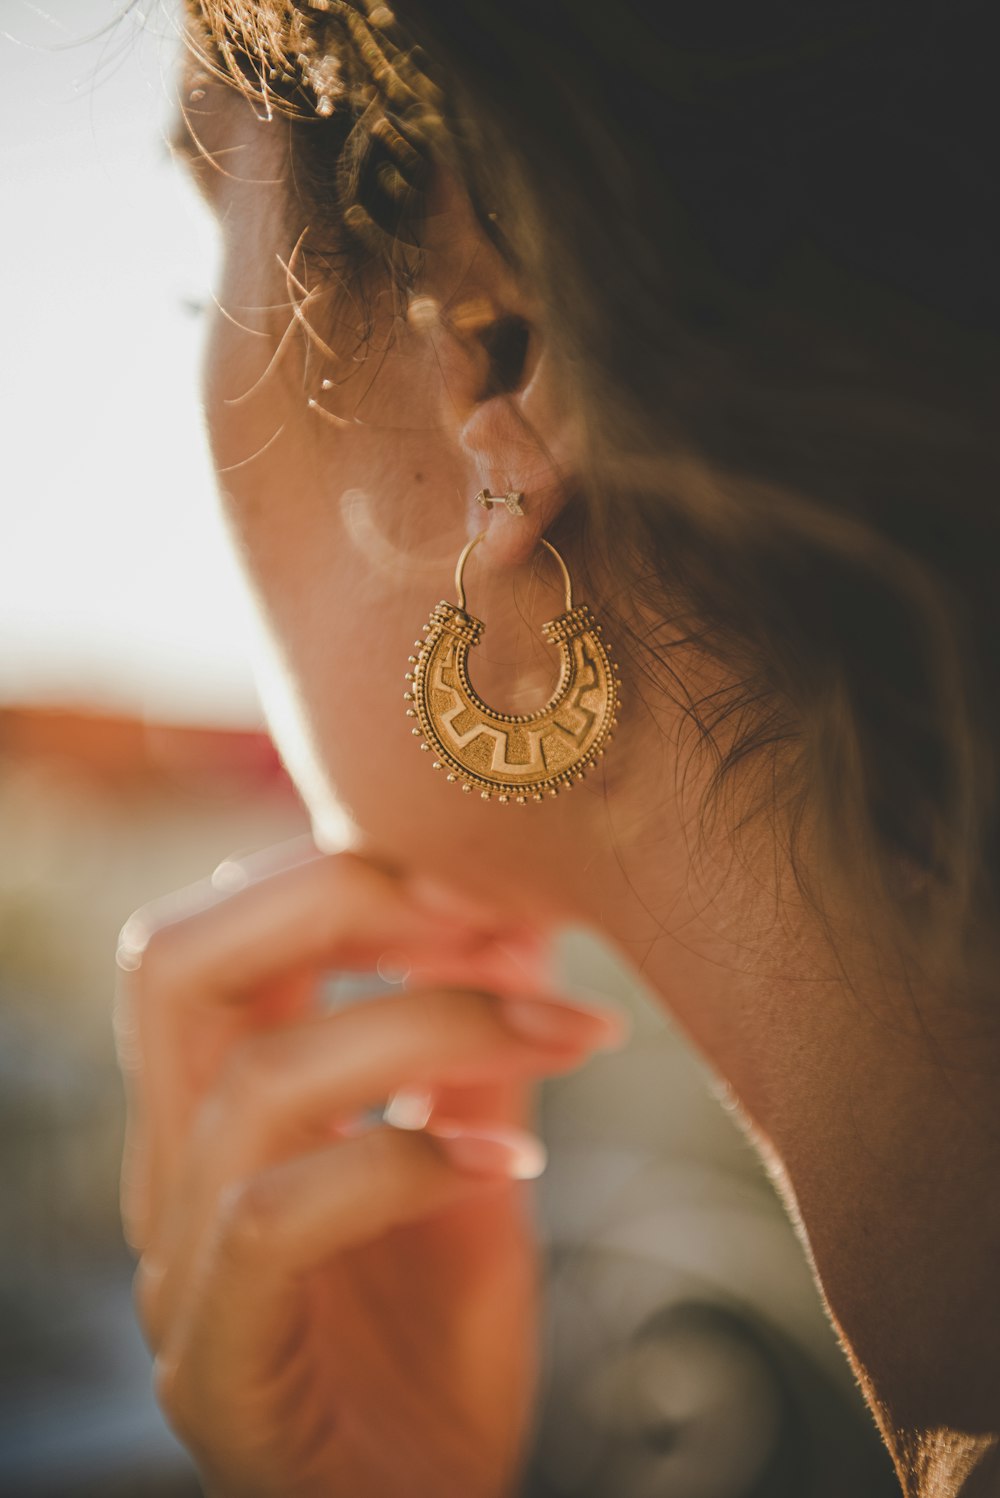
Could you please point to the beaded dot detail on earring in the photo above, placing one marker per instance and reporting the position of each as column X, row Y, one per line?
column 517, row 757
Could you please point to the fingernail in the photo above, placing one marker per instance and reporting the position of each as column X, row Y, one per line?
column 408, row 1108
column 563, row 1022
column 491, row 1151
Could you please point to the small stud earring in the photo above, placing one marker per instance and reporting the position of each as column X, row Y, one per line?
column 513, row 500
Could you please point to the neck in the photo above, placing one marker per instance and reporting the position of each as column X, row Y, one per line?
column 875, row 1106
column 882, row 1141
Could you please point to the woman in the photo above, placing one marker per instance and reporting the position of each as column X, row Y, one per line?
column 708, row 303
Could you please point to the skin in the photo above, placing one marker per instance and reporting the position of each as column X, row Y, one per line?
column 870, row 1094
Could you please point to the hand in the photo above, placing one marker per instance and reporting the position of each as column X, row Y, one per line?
column 335, row 1309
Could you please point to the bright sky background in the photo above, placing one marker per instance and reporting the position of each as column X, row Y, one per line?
column 116, row 584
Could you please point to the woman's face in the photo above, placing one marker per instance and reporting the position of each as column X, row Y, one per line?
column 348, row 471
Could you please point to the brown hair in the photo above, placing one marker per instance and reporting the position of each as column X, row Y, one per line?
column 761, row 237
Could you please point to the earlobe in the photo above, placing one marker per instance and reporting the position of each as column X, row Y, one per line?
column 500, row 396
column 526, row 444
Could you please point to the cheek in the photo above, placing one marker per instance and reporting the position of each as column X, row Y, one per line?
column 349, row 536
column 349, row 531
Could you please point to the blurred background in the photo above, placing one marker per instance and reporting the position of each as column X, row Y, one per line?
column 687, row 1354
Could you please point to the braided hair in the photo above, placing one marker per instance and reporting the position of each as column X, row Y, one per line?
column 368, row 108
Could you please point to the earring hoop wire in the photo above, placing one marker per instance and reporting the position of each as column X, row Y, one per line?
column 517, row 757
column 471, row 545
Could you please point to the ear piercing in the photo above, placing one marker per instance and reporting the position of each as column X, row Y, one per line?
column 511, row 500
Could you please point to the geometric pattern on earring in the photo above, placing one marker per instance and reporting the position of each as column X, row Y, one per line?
column 512, row 757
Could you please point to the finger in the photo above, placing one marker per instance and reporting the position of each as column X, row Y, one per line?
column 240, row 869
column 331, row 909
column 281, row 1085
column 281, row 1223
column 196, row 982
column 519, row 962
column 510, row 1102
column 507, row 1100
column 280, row 1091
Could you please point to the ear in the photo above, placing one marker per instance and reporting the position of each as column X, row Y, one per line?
column 501, row 404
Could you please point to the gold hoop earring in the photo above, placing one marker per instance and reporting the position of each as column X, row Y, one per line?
column 517, row 757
